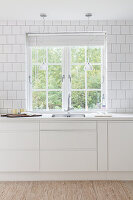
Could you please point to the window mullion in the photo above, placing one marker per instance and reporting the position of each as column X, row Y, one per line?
column 86, row 80
column 47, row 79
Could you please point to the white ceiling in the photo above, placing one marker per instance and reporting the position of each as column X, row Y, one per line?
column 66, row 9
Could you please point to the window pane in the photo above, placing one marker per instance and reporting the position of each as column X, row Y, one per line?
column 77, row 55
column 54, row 77
column 38, row 100
column 41, row 55
column 78, row 77
column 94, row 99
column 34, row 55
column 94, row 78
column 94, row 55
column 78, row 99
column 55, row 100
column 55, row 55
column 38, row 78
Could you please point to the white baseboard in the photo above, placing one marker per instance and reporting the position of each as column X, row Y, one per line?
column 63, row 176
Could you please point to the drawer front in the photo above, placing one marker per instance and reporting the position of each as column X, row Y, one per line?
column 68, row 126
column 19, row 140
column 68, row 161
column 67, row 139
column 15, row 161
column 17, row 125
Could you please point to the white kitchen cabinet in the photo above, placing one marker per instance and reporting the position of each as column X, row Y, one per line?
column 120, row 146
column 67, row 140
column 68, row 146
column 68, row 161
column 19, row 145
column 102, row 132
column 19, row 161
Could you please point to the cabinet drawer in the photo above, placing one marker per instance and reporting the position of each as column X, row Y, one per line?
column 68, row 161
column 68, row 126
column 19, row 161
column 19, row 140
column 18, row 125
column 67, row 139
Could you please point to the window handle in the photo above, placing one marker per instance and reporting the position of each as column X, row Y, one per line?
column 63, row 77
column 69, row 76
column 30, row 80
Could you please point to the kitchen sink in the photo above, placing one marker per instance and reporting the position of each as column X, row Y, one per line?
column 69, row 115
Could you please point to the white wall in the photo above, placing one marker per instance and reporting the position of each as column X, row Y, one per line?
column 120, row 59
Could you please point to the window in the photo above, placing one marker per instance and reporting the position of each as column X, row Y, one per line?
column 65, row 74
column 47, row 84
column 86, row 85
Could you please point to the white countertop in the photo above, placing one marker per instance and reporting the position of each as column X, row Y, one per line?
column 89, row 117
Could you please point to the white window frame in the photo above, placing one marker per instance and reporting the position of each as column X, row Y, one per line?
column 66, row 84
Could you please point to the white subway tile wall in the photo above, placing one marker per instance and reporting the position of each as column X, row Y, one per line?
column 13, row 54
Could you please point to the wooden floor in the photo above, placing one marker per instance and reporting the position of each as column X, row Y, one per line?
column 76, row 190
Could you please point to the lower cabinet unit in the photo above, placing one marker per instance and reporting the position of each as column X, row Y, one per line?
column 19, row 161
column 19, row 146
column 120, row 146
column 68, row 160
column 71, row 147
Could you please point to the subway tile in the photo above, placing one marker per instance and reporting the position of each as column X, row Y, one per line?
column 129, row 76
column 111, row 76
column 11, row 76
column 7, row 30
column 20, row 95
column 3, row 76
column 21, row 22
column 3, row 22
column 107, row 29
column 12, row 22
column 66, row 22
column 3, row 58
column 1, row 85
column 125, row 48
column 125, row 85
column 125, row 67
column 125, row 30
column 115, row 67
column 3, row 39
column 17, row 104
column 8, row 85
column 116, row 30
column 124, row 103
column 17, row 85
column 129, row 94
column 3, row 94
column 115, row 48
column 7, row 67
column 129, row 57
column 30, row 22
column 12, row 95
column 115, row 85
column 121, row 39
column 77, row 23
column 121, row 76
column 116, row 103
column 20, row 76
column 121, row 58
column 121, row 94
column 129, row 39
column 7, row 103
